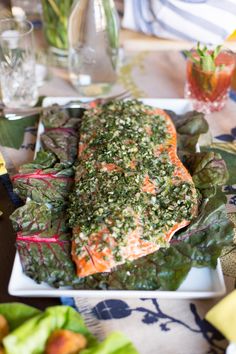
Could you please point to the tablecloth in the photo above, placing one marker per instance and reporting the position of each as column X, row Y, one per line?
column 155, row 325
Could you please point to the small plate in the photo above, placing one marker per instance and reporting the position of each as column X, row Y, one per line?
column 200, row 282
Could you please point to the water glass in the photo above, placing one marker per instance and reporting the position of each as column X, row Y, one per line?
column 17, row 64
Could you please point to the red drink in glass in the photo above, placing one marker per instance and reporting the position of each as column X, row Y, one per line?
column 209, row 90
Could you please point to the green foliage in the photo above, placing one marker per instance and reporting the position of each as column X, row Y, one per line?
column 30, row 330
column 205, row 57
column 17, row 313
column 116, row 343
column 43, row 161
column 189, row 127
column 54, row 117
column 39, row 218
column 43, row 236
column 12, row 131
column 55, row 16
column 45, row 186
column 208, row 170
column 31, row 336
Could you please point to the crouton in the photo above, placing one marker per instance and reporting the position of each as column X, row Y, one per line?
column 65, row 342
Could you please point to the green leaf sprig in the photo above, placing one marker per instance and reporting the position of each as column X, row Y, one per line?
column 205, row 58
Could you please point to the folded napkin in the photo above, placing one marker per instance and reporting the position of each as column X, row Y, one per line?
column 223, row 316
column 207, row 21
column 163, row 326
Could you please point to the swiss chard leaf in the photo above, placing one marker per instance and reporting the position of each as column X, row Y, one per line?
column 208, row 171
column 62, row 139
column 48, row 261
column 43, row 161
column 31, row 217
column 46, row 186
column 62, row 144
column 43, row 242
column 189, row 127
column 34, row 218
column 54, row 117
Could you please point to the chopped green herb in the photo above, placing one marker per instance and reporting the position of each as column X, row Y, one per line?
column 122, row 133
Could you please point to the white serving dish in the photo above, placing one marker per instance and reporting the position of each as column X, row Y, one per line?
column 200, row 282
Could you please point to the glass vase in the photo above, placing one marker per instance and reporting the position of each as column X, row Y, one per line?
column 55, row 21
column 93, row 33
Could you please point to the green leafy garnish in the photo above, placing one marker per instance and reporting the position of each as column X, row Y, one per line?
column 16, row 313
column 30, row 330
column 205, row 57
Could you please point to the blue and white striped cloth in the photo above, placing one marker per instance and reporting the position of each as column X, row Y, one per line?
column 206, row 21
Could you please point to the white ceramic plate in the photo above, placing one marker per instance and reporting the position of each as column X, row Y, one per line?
column 200, row 282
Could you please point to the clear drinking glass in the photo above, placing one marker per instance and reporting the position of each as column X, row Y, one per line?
column 17, row 64
column 93, row 33
column 209, row 89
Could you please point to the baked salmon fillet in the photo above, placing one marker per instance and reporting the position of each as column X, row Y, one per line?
column 132, row 193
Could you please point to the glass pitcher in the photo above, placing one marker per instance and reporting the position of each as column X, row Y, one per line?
column 93, row 34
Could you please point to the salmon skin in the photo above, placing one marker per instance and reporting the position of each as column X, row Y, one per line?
column 132, row 193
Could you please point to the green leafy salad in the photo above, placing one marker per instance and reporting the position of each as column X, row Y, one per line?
column 57, row 330
column 42, row 225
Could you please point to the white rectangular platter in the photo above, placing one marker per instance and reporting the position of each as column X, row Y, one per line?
column 200, row 282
